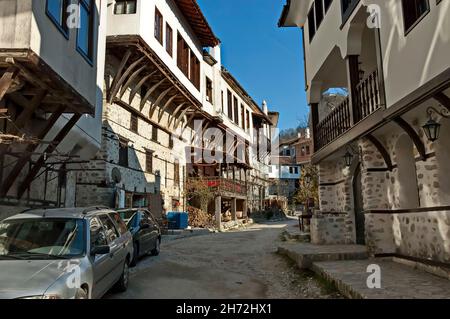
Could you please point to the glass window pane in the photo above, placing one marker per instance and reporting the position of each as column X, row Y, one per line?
column 54, row 8
column 83, row 31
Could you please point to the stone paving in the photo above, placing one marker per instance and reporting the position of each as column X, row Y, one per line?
column 397, row 281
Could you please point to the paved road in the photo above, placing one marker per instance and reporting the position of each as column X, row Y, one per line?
column 240, row 264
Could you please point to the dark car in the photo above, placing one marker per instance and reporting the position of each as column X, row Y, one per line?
column 145, row 230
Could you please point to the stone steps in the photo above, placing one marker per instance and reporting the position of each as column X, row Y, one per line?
column 305, row 254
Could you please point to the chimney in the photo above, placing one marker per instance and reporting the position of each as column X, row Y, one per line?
column 308, row 133
column 265, row 108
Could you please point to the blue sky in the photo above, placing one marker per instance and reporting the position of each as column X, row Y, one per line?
column 265, row 59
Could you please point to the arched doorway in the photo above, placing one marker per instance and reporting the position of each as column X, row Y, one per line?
column 359, row 207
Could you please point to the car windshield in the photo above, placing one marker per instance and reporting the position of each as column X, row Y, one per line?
column 128, row 217
column 42, row 239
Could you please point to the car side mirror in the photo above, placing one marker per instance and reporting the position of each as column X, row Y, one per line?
column 100, row 250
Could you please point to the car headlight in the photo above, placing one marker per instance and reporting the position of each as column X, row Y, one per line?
column 42, row 297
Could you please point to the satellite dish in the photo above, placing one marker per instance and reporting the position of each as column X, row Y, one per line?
column 116, row 175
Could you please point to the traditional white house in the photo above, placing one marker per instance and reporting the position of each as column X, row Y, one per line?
column 165, row 87
column 51, row 75
column 382, row 163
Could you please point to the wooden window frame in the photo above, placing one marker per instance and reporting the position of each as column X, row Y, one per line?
column 418, row 19
column 159, row 24
column 91, row 9
column 125, row 6
column 60, row 25
column 169, row 39
column 149, row 161
column 229, row 105
column 155, row 134
column 134, row 123
column 236, row 110
column 123, row 147
column 209, row 90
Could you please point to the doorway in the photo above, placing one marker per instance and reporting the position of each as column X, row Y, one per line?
column 359, row 207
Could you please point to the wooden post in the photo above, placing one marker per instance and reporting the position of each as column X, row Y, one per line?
column 315, row 122
column 218, row 204
column 353, row 80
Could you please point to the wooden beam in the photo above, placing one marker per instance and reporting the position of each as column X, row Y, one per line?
column 414, row 137
column 139, row 85
column 178, row 121
column 123, row 77
column 158, row 101
column 187, row 123
column 177, row 109
column 443, row 99
column 30, row 109
column 164, row 108
column 380, row 147
column 150, row 92
column 7, row 80
column 26, row 155
column 50, row 149
column 118, row 75
column 130, row 80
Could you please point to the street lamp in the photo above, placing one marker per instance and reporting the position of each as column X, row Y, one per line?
column 432, row 128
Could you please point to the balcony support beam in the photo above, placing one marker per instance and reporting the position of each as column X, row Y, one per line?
column 384, row 153
column 413, row 136
column 353, row 80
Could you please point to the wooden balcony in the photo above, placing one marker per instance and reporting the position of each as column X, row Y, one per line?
column 224, row 187
column 349, row 113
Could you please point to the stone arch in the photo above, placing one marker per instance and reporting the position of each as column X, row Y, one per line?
column 442, row 150
column 405, row 182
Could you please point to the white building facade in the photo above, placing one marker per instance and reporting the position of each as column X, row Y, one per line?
column 382, row 168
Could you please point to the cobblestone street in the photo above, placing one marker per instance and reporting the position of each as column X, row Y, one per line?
column 241, row 264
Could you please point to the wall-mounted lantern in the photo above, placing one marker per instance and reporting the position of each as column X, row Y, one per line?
column 348, row 158
column 432, row 128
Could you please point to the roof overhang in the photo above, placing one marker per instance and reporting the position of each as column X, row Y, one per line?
column 294, row 13
column 192, row 12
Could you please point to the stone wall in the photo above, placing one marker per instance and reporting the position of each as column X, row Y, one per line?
column 329, row 229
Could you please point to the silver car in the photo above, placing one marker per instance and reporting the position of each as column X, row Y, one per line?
column 64, row 254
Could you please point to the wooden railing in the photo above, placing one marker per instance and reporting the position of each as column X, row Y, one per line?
column 222, row 185
column 334, row 125
column 367, row 97
column 339, row 121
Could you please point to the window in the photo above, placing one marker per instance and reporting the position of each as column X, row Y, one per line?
column 85, row 37
column 296, row 170
column 318, row 8
column 149, row 161
column 123, row 153
column 291, row 170
column 243, row 116
column 195, row 71
column 171, row 142
column 230, row 105
column 120, row 223
column 110, row 229
column 158, row 26
column 134, row 123
column 182, row 55
column 248, row 120
column 311, row 24
column 176, row 174
column 125, row 7
column 223, row 105
column 236, row 111
column 169, row 40
column 413, row 11
column 308, row 150
column 209, row 90
column 155, row 134
column 57, row 12
column 98, row 236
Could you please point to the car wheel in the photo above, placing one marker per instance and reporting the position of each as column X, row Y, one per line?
column 81, row 294
column 122, row 284
column 157, row 250
column 135, row 255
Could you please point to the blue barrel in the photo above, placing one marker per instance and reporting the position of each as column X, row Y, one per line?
column 178, row 220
